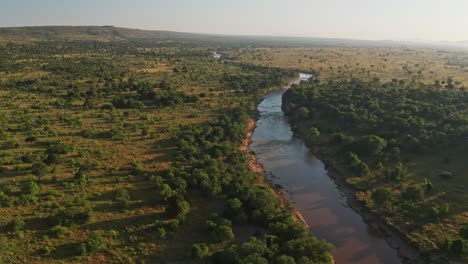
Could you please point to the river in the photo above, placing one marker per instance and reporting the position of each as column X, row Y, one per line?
column 288, row 162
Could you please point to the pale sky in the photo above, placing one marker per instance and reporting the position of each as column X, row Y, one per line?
column 356, row 19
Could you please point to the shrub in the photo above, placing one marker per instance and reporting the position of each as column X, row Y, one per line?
column 234, row 210
column 17, row 225
column 414, row 193
column 456, row 247
column 5, row 200
column 71, row 216
column 380, row 195
column 30, row 187
column 357, row 166
column 226, row 256
column 59, row 231
column 285, row 260
column 370, row 145
column 397, row 173
column 224, row 233
column 463, row 232
column 161, row 232
column 94, row 242
column 39, row 169
column 199, row 251
column 122, row 197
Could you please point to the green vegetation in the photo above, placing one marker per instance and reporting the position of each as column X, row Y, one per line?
column 401, row 145
column 124, row 146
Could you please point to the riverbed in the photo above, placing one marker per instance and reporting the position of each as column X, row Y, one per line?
column 289, row 163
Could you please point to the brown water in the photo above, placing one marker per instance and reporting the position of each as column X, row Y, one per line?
column 289, row 162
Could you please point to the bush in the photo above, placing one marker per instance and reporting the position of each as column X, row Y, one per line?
column 30, row 187
column 456, row 247
column 413, row 193
column 224, row 233
column 397, row 173
column 71, row 216
column 177, row 207
column 94, row 242
column 59, row 231
column 161, row 232
column 380, row 195
column 5, row 200
column 199, row 251
column 39, row 169
column 370, row 145
column 234, row 210
column 226, row 256
column 17, row 225
column 123, row 199
column 361, row 169
column 357, row 166
column 463, row 232
column 285, row 260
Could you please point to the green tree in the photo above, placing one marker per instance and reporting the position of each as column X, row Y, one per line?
column 39, row 169
column 283, row 259
column 380, row 195
column 370, row 145
column 30, row 187
column 413, row 193
column 456, row 247
column 199, row 251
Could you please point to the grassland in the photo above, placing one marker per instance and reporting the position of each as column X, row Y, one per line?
column 109, row 159
column 406, row 63
column 128, row 150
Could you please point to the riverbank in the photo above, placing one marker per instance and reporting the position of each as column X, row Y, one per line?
column 258, row 168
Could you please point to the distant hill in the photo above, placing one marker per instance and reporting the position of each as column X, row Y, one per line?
column 99, row 33
column 111, row 33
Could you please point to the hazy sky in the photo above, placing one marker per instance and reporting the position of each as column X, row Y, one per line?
column 361, row 19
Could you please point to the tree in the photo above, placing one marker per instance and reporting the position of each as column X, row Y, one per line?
column 30, row 187
column 39, row 169
column 310, row 247
column 166, row 191
column 226, row 256
column 254, row 246
column 413, row 193
column 370, row 145
column 52, row 158
column 283, row 259
column 456, row 247
column 380, row 195
column 177, row 207
column 17, row 225
column 224, row 233
column 313, row 132
column 463, row 232
column 199, row 251
column 235, row 211
column 161, row 232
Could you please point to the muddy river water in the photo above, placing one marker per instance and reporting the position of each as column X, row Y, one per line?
column 288, row 162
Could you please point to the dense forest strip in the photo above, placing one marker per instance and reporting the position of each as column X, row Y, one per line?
column 400, row 145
